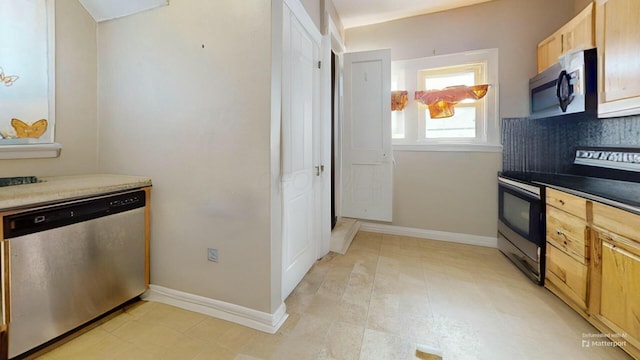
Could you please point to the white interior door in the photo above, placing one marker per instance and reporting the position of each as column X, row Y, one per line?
column 300, row 167
column 367, row 158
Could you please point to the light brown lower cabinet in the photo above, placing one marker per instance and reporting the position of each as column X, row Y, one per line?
column 567, row 255
column 566, row 276
column 614, row 304
column 593, row 265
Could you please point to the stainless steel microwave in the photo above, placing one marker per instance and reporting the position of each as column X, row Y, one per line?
column 567, row 87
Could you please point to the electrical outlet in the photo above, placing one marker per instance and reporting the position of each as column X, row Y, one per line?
column 212, row 254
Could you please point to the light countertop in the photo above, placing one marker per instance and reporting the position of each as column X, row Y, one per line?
column 61, row 188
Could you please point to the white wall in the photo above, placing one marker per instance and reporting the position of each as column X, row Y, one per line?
column 76, row 98
column 457, row 191
column 184, row 97
column 447, row 191
column 513, row 26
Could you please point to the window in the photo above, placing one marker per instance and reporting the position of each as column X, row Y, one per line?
column 467, row 113
column 27, row 114
column 475, row 123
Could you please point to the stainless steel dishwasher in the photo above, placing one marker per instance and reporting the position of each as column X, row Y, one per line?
column 70, row 263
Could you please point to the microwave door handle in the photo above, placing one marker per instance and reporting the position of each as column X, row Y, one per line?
column 564, row 90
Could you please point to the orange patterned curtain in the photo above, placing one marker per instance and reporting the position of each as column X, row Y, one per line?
column 399, row 100
column 441, row 103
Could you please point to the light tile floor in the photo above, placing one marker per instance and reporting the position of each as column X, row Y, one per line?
column 381, row 299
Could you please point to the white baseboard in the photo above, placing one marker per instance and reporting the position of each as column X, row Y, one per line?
column 486, row 241
column 269, row 323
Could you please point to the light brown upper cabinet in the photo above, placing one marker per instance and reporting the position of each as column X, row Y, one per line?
column 617, row 34
column 576, row 34
column 549, row 50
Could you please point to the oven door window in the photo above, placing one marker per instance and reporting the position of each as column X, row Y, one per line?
column 516, row 213
column 520, row 212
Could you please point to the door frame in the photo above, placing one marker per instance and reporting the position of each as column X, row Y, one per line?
column 336, row 45
column 275, row 211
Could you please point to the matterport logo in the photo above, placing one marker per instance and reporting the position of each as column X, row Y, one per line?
column 603, row 340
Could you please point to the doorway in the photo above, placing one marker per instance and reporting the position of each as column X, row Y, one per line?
column 334, row 217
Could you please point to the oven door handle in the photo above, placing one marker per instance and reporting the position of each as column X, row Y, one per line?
column 520, row 191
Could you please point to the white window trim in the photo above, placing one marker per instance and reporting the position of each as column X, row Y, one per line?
column 31, row 151
column 450, row 147
column 405, row 74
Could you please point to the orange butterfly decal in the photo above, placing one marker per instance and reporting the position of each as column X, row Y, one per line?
column 8, row 80
column 25, row 130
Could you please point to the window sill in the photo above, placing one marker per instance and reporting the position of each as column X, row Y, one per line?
column 31, row 151
column 450, row 148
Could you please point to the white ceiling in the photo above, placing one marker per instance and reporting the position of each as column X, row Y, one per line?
column 355, row 13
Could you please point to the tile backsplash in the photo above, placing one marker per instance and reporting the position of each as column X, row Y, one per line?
column 548, row 145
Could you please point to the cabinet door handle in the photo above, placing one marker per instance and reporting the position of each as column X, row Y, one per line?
column 561, row 202
column 559, row 233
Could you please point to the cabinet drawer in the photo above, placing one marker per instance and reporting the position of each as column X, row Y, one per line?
column 566, row 202
column 567, row 233
column 617, row 221
column 567, row 274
